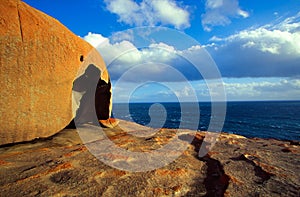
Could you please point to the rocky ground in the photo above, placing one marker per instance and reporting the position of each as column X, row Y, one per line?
column 63, row 166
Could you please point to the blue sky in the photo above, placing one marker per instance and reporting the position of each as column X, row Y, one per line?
column 254, row 44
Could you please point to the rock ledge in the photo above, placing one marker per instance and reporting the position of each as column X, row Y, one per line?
column 236, row 166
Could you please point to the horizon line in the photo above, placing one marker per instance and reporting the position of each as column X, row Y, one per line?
column 146, row 102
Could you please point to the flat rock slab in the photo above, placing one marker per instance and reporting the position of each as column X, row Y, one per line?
column 63, row 166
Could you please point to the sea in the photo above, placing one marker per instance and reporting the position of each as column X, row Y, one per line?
column 262, row 119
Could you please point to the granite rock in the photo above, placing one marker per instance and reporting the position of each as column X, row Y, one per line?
column 236, row 166
column 39, row 60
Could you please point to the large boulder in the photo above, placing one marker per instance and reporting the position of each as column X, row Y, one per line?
column 39, row 61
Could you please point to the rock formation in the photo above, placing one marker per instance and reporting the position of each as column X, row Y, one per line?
column 236, row 166
column 40, row 58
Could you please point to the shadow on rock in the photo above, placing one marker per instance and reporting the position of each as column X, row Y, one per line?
column 216, row 181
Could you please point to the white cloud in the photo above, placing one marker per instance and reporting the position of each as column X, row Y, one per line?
column 290, row 24
column 169, row 13
column 214, row 4
column 164, row 46
column 124, row 50
column 263, row 89
column 235, row 88
column 123, row 35
column 127, row 10
column 272, row 50
column 96, row 39
column 155, row 92
column 150, row 12
column 156, row 62
column 219, row 12
column 271, row 41
column 184, row 92
column 152, row 62
column 267, row 51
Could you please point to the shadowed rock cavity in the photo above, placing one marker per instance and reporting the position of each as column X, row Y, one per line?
column 91, row 97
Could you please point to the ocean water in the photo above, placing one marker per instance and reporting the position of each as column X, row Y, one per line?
column 263, row 119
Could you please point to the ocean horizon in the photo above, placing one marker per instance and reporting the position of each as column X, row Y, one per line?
column 263, row 119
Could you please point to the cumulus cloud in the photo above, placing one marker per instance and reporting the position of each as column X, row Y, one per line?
column 220, row 12
column 268, row 41
column 124, row 50
column 272, row 50
column 150, row 12
column 155, row 62
column 127, row 54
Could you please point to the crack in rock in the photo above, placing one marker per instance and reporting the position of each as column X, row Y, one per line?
column 259, row 172
column 20, row 24
column 216, row 181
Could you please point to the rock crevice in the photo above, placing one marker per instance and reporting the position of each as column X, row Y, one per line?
column 216, row 181
column 259, row 172
column 20, row 23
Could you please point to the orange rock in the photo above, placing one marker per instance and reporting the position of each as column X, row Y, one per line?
column 235, row 180
column 3, row 163
column 118, row 173
column 114, row 156
column 172, row 173
column 161, row 191
column 213, row 153
column 40, row 59
column 36, row 176
column 60, row 167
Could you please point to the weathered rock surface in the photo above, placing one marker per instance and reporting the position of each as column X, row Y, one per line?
column 39, row 60
column 236, row 166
